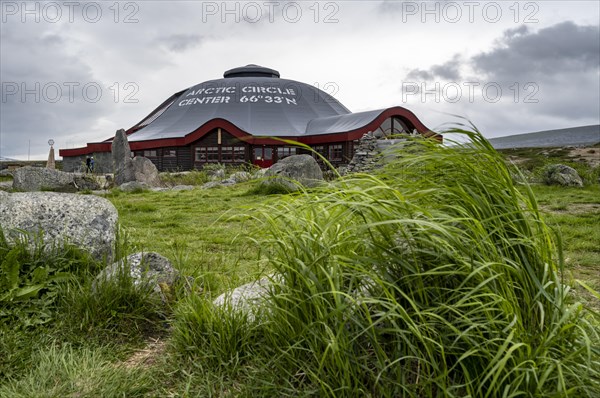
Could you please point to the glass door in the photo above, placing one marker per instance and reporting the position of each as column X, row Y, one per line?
column 263, row 156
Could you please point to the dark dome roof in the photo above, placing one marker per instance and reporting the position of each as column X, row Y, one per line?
column 253, row 98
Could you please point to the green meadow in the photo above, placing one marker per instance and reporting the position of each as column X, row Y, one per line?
column 441, row 275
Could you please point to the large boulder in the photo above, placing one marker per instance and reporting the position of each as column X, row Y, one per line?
column 145, row 171
column 86, row 221
column 126, row 169
column 149, row 270
column 29, row 179
column 559, row 174
column 121, row 157
column 295, row 171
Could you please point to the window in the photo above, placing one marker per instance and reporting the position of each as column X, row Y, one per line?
column 227, row 154
column 285, row 151
column 320, row 149
column 212, row 153
column 258, row 153
column 399, row 127
column 150, row 153
column 386, row 127
column 263, row 153
column 169, row 153
column 200, row 154
column 335, row 152
column 239, row 154
column 224, row 154
column 268, row 152
column 391, row 127
column 207, row 154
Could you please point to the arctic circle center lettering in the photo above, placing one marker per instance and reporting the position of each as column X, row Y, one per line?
column 244, row 94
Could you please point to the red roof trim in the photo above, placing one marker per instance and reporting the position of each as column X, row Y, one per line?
column 201, row 131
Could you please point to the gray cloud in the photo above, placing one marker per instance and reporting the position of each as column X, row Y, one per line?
column 180, row 42
column 448, row 71
column 43, row 92
column 561, row 48
column 551, row 74
column 420, row 74
column 563, row 61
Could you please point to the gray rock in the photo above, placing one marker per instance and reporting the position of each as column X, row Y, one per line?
column 132, row 186
column 182, row 188
column 121, row 158
column 217, row 174
column 105, row 181
column 6, row 173
column 85, row 182
column 260, row 173
column 145, row 171
column 293, row 171
column 228, row 182
column 6, row 185
column 247, row 298
column 559, row 174
column 211, row 184
column 146, row 270
column 86, row 221
column 30, row 179
column 241, row 176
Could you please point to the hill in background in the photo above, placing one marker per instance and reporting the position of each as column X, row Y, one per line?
column 575, row 136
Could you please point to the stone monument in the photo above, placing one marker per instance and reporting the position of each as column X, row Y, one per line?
column 51, row 164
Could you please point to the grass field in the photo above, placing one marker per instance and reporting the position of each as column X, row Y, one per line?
column 219, row 220
column 137, row 347
column 205, row 233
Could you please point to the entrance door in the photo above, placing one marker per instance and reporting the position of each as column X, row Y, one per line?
column 263, row 156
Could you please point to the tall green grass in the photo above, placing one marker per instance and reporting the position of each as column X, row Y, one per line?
column 435, row 278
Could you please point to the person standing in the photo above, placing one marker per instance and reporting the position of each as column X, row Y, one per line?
column 88, row 165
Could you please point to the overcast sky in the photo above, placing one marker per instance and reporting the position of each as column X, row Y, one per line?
column 75, row 72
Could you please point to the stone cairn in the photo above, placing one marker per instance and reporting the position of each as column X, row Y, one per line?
column 365, row 156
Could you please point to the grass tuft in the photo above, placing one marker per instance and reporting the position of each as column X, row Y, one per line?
column 436, row 277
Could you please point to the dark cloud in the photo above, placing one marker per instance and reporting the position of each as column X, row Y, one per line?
column 180, row 42
column 561, row 48
column 545, row 76
column 43, row 93
column 562, row 61
column 522, row 55
column 449, row 70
